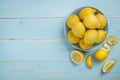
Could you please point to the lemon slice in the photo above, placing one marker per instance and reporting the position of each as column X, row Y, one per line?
column 89, row 61
column 108, row 66
column 112, row 40
column 77, row 56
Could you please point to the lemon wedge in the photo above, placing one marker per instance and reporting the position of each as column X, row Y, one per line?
column 77, row 56
column 108, row 66
column 89, row 61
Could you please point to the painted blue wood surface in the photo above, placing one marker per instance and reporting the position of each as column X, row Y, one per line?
column 33, row 45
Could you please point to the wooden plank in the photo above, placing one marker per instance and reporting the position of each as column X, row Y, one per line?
column 52, row 28
column 32, row 29
column 41, row 8
column 55, row 71
column 42, row 50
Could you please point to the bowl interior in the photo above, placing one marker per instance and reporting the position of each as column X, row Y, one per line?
column 95, row 46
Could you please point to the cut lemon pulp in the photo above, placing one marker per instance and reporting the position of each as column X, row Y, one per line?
column 77, row 56
column 89, row 61
column 112, row 40
column 108, row 66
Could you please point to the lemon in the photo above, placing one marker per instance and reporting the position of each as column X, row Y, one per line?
column 102, row 20
column 77, row 56
column 101, row 54
column 107, row 50
column 101, row 36
column 90, row 37
column 83, row 45
column 91, row 21
column 85, row 11
column 78, row 29
column 72, row 38
column 112, row 40
column 72, row 19
column 89, row 61
column 108, row 66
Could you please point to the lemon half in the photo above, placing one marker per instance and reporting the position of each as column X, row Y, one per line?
column 108, row 66
column 77, row 56
column 112, row 40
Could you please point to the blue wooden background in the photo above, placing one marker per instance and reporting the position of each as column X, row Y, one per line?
column 33, row 45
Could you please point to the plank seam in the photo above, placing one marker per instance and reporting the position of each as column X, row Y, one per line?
column 34, row 61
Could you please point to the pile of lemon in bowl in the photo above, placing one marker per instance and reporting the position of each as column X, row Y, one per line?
column 87, row 28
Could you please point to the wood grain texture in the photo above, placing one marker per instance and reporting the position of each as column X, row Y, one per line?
column 33, row 45
column 42, row 29
column 53, row 8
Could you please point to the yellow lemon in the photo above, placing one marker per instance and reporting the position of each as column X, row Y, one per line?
column 101, row 36
column 102, row 20
column 108, row 66
column 89, row 61
column 72, row 38
column 90, row 37
column 91, row 21
column 83, row 45
column 101, row 54
column 77, row 56
column 72, row 19
column 107, row 50
column 85, row 11
column 112, row 40
column 78, row 29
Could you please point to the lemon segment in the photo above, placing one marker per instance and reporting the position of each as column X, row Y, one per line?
column 89, row 61
column 85, row 11
column 101, row 35
column 90, row 37
column 101, row 54
column 112, row 40
column 72, row 38
column 77, row 56
column 78, row 29
column 83, row 45
column 102, row 20
column 108, row 66
column 72, row 19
